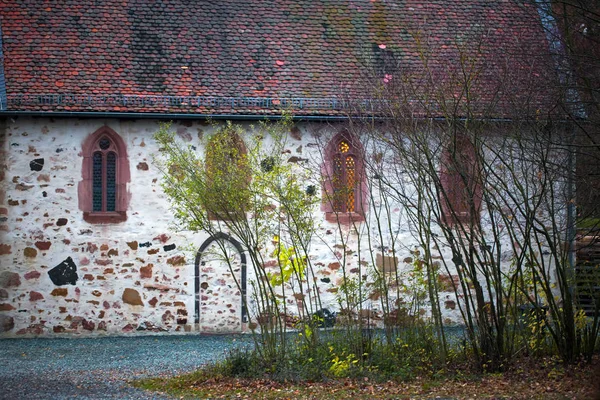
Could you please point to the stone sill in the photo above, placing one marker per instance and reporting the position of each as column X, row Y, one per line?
column 344, row 218
column 105, row 217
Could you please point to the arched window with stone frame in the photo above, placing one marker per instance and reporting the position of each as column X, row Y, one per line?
column 103, row 195
column 344, row 183
column 228, row 176
column 460, row 184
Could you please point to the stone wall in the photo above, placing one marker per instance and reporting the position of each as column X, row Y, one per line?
column 62, row 275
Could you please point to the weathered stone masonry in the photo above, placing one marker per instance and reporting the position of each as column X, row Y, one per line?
column 72, row 263
column 60, row 274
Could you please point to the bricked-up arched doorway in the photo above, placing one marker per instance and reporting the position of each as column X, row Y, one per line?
column 220, row 285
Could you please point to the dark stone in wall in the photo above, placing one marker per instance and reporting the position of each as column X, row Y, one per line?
column 169, row 247
column 22, row 187
column 6, row 323
column 37, row 164
column 88, row 325
column 61, row 221
column 9, row 279
column 64, row 273
column 294, row 159
column 147, row 244
column 295, row 133
column 149, row 326
column 450, row 305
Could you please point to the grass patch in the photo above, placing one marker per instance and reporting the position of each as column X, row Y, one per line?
column 523, row 382
column 360, row 365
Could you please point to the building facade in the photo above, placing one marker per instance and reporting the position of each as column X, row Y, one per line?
column 88, row 243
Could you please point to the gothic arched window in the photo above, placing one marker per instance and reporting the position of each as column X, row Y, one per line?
column 344, row 177
column 460, row 190
column 103, row 193
column 104, row 176
column 228, row 176
column 344, row 183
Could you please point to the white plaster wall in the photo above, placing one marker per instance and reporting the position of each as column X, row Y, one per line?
column 134, row 257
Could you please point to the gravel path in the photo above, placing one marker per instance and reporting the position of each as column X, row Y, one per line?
column 99, row 368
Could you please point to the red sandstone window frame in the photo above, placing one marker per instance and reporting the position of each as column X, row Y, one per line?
column 461, row 191
column 122, row 177
column 341, row 204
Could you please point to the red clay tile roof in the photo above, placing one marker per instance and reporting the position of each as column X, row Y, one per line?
column 247, row 57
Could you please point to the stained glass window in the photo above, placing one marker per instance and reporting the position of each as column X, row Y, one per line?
column 104, row 176
column 460, row 186
column 343, row 147
column 350, row 183
column 97, row 181
column 338, row 183
column 105, row 173
column 104, row 143
column 344, row 178
column 111, row 184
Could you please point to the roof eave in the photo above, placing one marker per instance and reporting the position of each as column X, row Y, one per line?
column 165, row 116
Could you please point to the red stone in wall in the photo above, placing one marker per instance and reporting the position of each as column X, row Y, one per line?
column 146, row 272
column 176, row 260
column 32, row 275
column 34, row 296
column 43, row 245
column 59, row 292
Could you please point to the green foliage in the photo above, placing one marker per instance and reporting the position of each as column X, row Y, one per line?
column 240, row 363
column 290, row 264
column 351, row 295
column 228, row 174
column 248, row 190
column 342, row 364
column 342, row 353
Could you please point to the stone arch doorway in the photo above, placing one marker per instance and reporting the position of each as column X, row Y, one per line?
column 220, row 285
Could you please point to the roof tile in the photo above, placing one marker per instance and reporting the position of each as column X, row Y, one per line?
column 244, row 49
